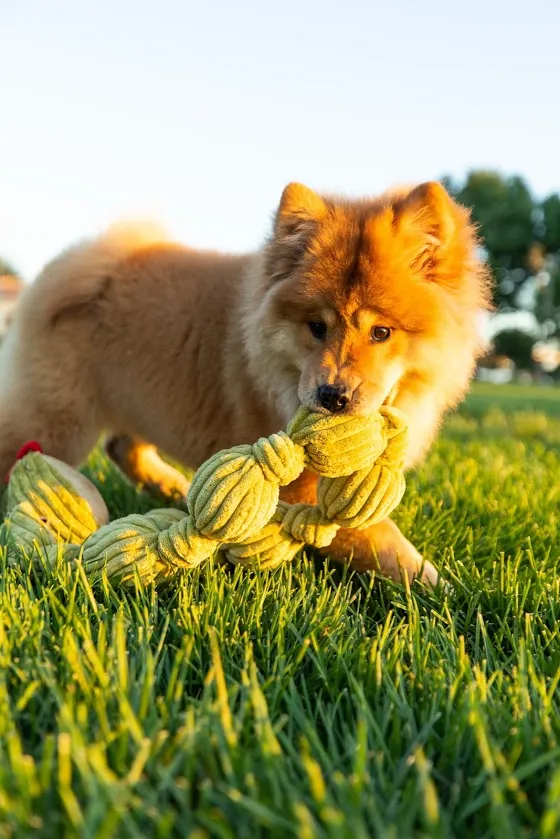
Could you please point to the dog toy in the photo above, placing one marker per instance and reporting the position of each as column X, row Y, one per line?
column 232, row 505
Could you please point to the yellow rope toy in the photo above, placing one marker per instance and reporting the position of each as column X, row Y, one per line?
column 233, row 502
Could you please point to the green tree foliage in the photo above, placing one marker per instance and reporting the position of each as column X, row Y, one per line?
column 512, row 223
column 517, row 345
column 551, row 220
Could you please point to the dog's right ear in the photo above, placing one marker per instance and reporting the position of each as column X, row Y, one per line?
column 296, row 220
column 299, row 209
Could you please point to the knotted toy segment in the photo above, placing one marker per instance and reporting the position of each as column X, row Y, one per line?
column 357, row 498
column 233, row 502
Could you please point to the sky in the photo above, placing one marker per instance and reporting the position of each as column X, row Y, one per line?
column 196, row 114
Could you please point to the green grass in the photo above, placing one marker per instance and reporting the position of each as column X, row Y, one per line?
column 513, row 398
column 308, row 702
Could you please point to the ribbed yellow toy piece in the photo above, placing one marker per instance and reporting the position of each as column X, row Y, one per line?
column 291, row 527
column 25, row 534
column 40, row 491
column 235, row 493
column 369, row 495
column 49, row 502
column 337, row 444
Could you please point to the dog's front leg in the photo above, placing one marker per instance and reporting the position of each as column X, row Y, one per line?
column 142, row 464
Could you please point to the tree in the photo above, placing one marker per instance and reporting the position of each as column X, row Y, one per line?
column 547, row 308
column 517, row 345
column 521, row 236
column 505, row 212
column 551, row 221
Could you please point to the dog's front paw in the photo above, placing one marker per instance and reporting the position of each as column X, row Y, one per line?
column 383, row 548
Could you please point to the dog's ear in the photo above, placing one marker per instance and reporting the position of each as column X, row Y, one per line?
column 298, row 215
column 299, row 209
column 433, row 224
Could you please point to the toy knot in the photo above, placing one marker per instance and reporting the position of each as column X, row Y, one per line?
column 279, row 541
column 280, row 459
column 153, row 546
column 235, row 492
column 306, row 523
column 122, row 549
column 179, row 543
column 370, row 494
column 338, row 444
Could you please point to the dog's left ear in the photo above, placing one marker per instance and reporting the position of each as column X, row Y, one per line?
column 429, row 216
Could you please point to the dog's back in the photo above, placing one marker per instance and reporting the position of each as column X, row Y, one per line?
column 115, row 333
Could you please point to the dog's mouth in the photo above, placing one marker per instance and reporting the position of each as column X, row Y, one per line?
column 355, row 406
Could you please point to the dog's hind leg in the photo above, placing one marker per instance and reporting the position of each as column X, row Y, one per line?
column 46, row 397
column 142, row 464
column 62, row 430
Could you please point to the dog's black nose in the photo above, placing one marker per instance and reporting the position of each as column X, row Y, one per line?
column 334, row 399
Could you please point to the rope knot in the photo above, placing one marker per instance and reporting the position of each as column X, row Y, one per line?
column 370, row 494
column 281, row 460
column 338, row 444
column 307, row 524
column 235, row 493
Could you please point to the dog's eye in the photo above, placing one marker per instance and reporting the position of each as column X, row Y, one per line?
column 380, row 333
column 318, row 329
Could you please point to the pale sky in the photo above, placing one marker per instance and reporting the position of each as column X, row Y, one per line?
column 196, row 114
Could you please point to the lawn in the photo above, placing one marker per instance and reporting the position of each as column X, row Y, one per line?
column 308, row 702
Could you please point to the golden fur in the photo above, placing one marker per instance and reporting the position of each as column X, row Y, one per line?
column 196, row 351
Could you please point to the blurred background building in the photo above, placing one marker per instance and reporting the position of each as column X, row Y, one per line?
column 11, row 286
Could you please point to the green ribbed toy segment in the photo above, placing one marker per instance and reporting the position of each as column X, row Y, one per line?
column 50, row 503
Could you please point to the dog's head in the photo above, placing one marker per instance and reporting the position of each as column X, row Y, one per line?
column 361, row 295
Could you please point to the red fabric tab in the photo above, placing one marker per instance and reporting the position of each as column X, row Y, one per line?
column 32, row 446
